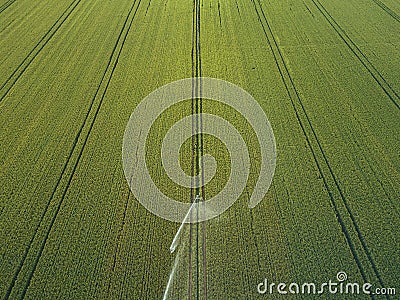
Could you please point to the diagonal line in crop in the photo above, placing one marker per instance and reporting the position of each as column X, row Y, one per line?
column 6, row 5
column 378, row 77
column 100, row 93
column 387, row 10
column 311, row 139
column 7, row 86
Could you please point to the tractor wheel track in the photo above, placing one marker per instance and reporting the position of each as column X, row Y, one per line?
column 6, row 5
column 197, row 151
column 387, row 10
column 100, row 94
column 19, row 71
column 380, row 80
column 318, row 152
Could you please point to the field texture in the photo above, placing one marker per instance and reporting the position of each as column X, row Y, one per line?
column 325, row 72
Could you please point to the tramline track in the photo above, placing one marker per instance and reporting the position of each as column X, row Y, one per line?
column 195, row 242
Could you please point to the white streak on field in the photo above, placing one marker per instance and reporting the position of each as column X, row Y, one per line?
column 174, row 245
column 177, row 235
column 171, row 277
column 172, row 274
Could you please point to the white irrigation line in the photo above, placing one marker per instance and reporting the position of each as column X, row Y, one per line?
column 171, row 277
column 173, row 247
column 175, row 241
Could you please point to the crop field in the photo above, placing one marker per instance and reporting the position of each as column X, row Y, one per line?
column 326, row 73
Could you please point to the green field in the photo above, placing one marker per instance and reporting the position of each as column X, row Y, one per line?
column 327, row 75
